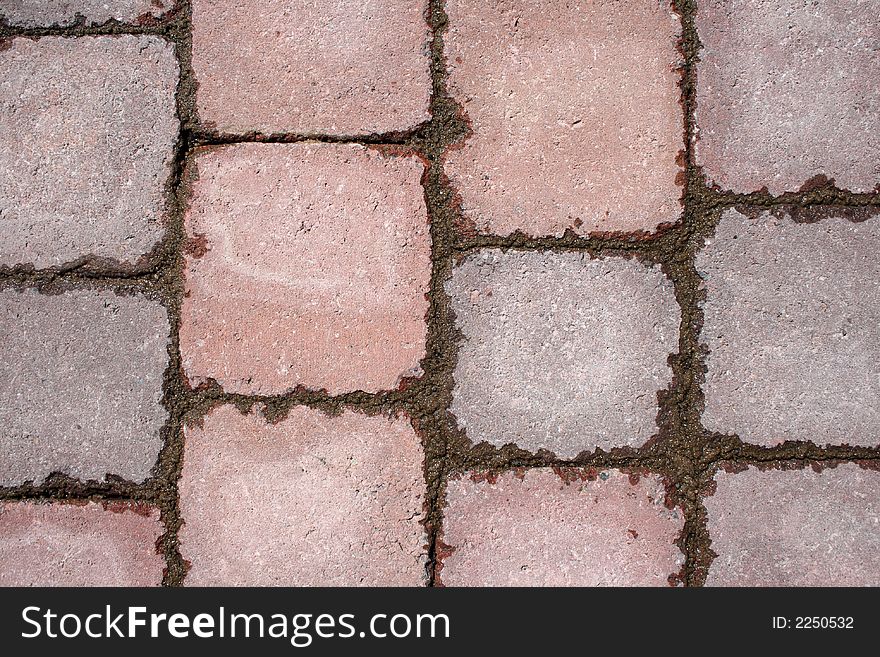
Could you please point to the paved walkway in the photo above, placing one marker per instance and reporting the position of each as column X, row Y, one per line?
column 399, row 292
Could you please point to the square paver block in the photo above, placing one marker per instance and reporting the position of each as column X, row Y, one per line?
column 559, row 351
column 311, row 66
column 80, row 385
column 80, row 544
column 539, row 528
column 312, row 500
column 308, row 266
column 87, row 130
column 795, row 528
column 575, row 110
column 46, row 13
column 787, row 91
column 792, row 323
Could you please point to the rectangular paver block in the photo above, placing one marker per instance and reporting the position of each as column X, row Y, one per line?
column 560, row 351
column 80, row 385
column 796, row 528
column 308, row 266
column 87, row 130
column 792, row 323
column 80, row 544
column 47, row 13
column 787, row 91
column 540, row 528
column 310, row 500
column 314, row 66
column 575, row 110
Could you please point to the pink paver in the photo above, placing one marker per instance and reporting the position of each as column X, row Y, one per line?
column 308, row 266
column 314, row 66
column 87, row 132
column 575, row 110
column 87, row 544
column 792, row 323
column 311, row 500
column 787, row 91
column 46, row 13
column 796, row 528
column 561, row 351
column 80, row 385
column 537, row 529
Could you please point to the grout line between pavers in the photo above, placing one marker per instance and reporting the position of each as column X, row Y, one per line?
column 685, row 399
column 684, row 453
column 110, row 28
column 211, row 138
column 146, row 23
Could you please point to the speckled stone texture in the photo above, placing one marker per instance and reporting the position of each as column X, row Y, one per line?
column 787, row 91
column 313, row 66
column 575, row 111
column 87, row 129
column 79, row 544
column 310, row 501
column 536, row 529
column 796, row 528
column 46, row 13
column 80, row 385
column 308, row 266
column 559, row 351
column 792, row 323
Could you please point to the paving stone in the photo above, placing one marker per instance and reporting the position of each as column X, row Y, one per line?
column 87, row 130
column 80, row 544
column 561, row 352
column 796, row 528
column 792, row 323
column 308, row 266
column 537, row 529
column 80, row 385
column 575, row 110
column 46, row 13
column 314, row 66
column 785, row 93
column 310, row 500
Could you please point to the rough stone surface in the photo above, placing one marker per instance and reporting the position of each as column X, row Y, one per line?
column 561, row 352
column 80, row 385
column 576, row 115
column 792, row 323
column 46, row 13
column 796, row 528
column 87, row 128
column 86, row 544
column 316, row 66
column 311, row 500
column 535, row 529
column 308, row 265
column 787, row 92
